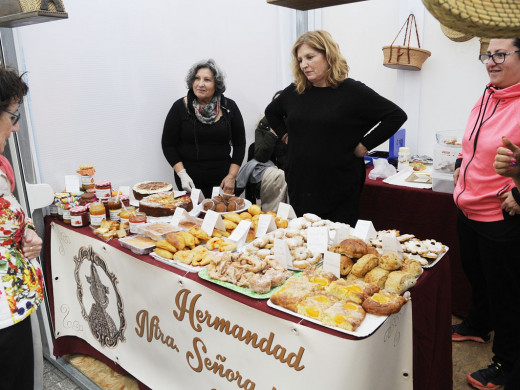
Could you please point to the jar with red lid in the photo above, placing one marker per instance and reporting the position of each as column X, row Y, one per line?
column 79, row 216
column 103, row 190
column 135, row 220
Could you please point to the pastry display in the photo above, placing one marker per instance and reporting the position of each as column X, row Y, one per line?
column 147, row 188
column 246, row 270
column 164, row 204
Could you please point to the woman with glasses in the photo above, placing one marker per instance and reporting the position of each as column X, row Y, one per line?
column 21, row 289
column 204, row 136
column 489, row 218
column 327, row 117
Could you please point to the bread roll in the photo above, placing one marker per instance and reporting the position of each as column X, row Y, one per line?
column 377, row 277
column 412, row 267
column 346, row 264
column 399, row 281
column 364, row 264
column 390, row 262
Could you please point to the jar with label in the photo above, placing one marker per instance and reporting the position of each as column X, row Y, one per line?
column 103, row 190
column 135, row 220
column 53, row 210
column 87, row 176
column 97, row 213
column 403, row 159
column 125, row 216
column 79, row 216
column 66, row 213
column 114, row 207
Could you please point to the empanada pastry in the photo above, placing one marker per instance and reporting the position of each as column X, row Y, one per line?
column 364, row 264
column 383, row 303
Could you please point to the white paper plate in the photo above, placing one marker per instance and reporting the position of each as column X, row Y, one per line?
column 399, row 179
column 367, row 327
column 247, row 205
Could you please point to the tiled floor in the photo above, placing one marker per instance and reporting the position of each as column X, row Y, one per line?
column 467, row 357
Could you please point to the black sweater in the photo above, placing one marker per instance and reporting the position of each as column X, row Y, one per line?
column 324, row 126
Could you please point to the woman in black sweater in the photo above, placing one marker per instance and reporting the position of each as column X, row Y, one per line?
column 328, row 118
column 204, row 136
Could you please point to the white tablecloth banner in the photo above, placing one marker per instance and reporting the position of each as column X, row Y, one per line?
column 173, row 333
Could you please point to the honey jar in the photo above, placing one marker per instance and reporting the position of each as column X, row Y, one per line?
column 114, row 206
column 125, row 216
column 97, row 213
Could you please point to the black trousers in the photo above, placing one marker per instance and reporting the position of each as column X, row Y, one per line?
column 16, row 357
column 490, row 255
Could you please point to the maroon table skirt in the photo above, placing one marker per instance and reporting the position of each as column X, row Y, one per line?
column 424, row 213
column 432, row 359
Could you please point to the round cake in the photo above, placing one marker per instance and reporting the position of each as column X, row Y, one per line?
column 164, row 204
column 146, row 188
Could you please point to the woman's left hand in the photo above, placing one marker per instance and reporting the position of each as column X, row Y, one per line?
column 509, row 204
column 228, row 184
column 31, row 244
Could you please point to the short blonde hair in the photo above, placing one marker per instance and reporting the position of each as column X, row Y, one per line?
column 322, row 41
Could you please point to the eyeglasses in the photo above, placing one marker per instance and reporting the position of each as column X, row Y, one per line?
column 498, row 58
column 15, row 116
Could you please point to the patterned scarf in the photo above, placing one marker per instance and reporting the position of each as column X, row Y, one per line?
column 6, row 167
column 209, row 112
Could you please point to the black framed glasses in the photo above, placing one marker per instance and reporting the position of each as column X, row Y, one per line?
column 15, row 116
column 498, row 58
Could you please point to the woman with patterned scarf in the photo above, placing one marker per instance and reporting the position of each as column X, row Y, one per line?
column 204, row 136
column 21, row 281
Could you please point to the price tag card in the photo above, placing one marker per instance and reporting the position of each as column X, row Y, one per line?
column 178, row 216
column 392, row 245
column 72, row 184
column 318, row 239
column 196, row 196
column 364, row 230
column 332, row 263
column 285, row 211
column 125, row 190
column 342, row 233
column 265, row 225
column 216, row 191
column 211, row 221
column 239, row 235
column 281, row 253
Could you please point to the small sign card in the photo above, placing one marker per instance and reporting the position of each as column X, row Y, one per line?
column 125, row 190
column 364, row 230
column 179, row 215
column 265, row 225
column 239, row 235
column 281, row 253
column 212, row 221
column 216, row 191
column 392, row 245
column 332, row 263
column 196, row 196
column 72, row 184
column 318, row 239
column 285, row 211
column 342, row 233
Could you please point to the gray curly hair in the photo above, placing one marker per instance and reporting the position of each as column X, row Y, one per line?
column 218, row 75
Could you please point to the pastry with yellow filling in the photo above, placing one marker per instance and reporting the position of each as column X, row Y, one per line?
column 318, row 276
column 345, row 314
column 293, row 292
column 314, row 305
column 383, row 303
column 356, row 290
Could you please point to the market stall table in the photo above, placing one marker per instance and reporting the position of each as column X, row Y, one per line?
column 424, row 213
column 430, row 317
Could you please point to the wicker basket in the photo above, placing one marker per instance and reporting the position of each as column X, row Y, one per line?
column 455, row 36
column 405, row 57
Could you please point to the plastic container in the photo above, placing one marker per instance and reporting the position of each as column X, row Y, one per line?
column 442, row 182
column 138, row 244
column 403, row 159
column 445, row 152
column 156, row 231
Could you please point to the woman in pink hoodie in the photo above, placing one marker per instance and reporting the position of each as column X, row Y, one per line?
column 489, row 218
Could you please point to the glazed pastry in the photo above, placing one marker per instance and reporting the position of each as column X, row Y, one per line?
column 383, row 303
column 345, row 314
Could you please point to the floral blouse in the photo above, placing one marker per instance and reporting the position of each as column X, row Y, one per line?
column 21, row 280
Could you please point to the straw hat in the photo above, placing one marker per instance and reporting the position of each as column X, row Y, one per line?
column 479, row 18
column 455, row 35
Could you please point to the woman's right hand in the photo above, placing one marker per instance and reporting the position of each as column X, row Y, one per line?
column 456, row 176
column 186, row 181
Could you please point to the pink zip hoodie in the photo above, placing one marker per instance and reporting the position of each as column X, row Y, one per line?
column 495, row 115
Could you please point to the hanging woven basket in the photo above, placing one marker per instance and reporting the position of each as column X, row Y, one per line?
column 478, row 18
column 405, row 57
column 455, row 36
